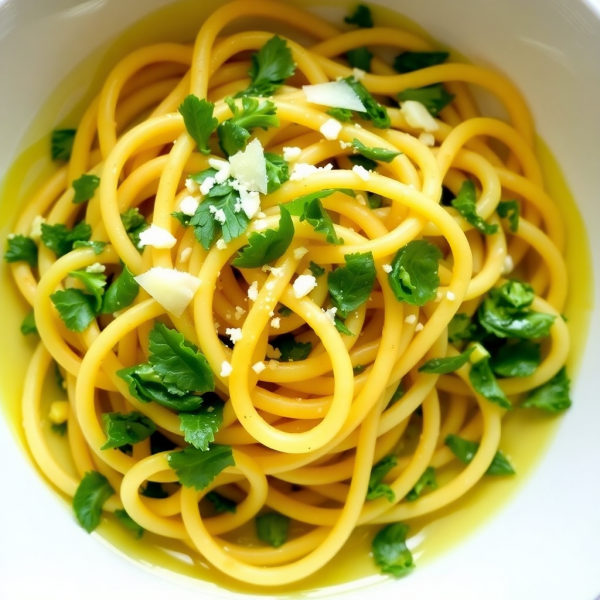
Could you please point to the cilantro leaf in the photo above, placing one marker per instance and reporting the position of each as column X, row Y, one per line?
column 382, row 154
column 316, row 270
column 61, row 143
column 465, row 451
column 20, row 248
column 461, row 328
column 297, row 207
column 134, row 223
column 448, row 364
column 121, row 292
column 272, row 528
column 390, row 551
column 341, row 114
column 199, row 121
column 414, row 276
column 28, row 325
column 341, row 326
column 146, row 385
column 520, row 359
column 351, row 286
column 94, row 283
column 505, row 313
column 465, row 204
column 91, row 494
column 361, row 17
column 267, row 246
column 97, row 247
column 178, row 362
column 129, row 428
column 129, row 523
column 510, row 210
column 221, row 503
column 199, row 427
column 290, row 349
column 374, row 111
column 407, row 62
column 433, row 97
column 197, row 468
column 271, row 66
column 427, row 480
column 85, row 187
column 484, row 382
column 552, row 396
column 234, row 133
column 75, row 308
column 316, row 215
column 278, row 171
column 377, row 488
column 360, row 58
column 60, row 239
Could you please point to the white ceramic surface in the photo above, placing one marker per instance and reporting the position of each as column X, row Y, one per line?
column 543, row 544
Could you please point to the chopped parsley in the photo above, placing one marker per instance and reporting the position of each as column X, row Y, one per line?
column 28, row 326
column 378, row 489
column 390, row 551
column 360, row 58
column 291, row 349
column 85, row 187
column 21, row 248
column 199, row 121
column 61, row 240
column 407, row 62
column 220, row 503
column 90, row 496
column 465, row 204
column 198, row 468
column 510, row 210
column 427, row 480
column 199, row 427
column 552, row 396
column 351, row 285
column 381, row 154
column 448, row 364
column 121, row 293
column 129, row 523
column 122, row 429
column 433, row 97
column 360, row 17
column 76, row 308
column 272, row 528
column 465, row 451
column 61, row 143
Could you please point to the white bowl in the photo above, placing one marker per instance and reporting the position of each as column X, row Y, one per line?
column 545, row 541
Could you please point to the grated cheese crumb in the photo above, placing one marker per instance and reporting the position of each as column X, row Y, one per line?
column 239, row 313
column 427, row 139
column 450, row 295
column 330, row 313
column 291, row 153
column 218, row 213
column 207, row 185
column 410, row 319
column 417, row 116
column 277, row 271
column 192, row 186
column 331, row 129
column 276, row 323
column 362, row 172
column 189, row 205
column 419, row 327
column 234, row 333
column 253, row 291
column 221, row 244
column 303, row 285
column 95, row 268
column 344, row 145
column 387, row 268
column 273, row 352
column 226, row 369
column 302, row 171
column 273, row 364
column 259, row 367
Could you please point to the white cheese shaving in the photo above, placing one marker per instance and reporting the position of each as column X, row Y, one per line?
column 250, row 202
column 387, row 268
column 303, row 285
column 337, row 94
column 95, row 268
column 418, row 116
column 171, row 288
column 253, row 291
column 410, row 319
column 362, row 172
column 222, row 167
column 331, row 129
column 276, row 322
column 157, row 237
column 234, row 333
column 249, row 167
column 259, row 367
column 226, row 369
column 291, row 153
column 189, row 205
column 221, row 244
column 207, row 185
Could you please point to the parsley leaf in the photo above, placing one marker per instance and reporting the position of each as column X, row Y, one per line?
column 505, row 313
column 97, row 247
column 85, row 187
column 267, row 246
column 93, row 491
column 199, row 121
column 397, row 395
column 316, row 215
column 464, row 203
column 271, row 66
column 341, row 114
column 221, row 503
column 448, row 364
column 60, row 239
column 465, row 451
column 363, row 161
column 433, row 97
column 351, row 286
column 146, row 385
column 360, row 58
column 374, row 111
column 361, row 17
column 461, row 328
column 341, row 326
column 62, row 143
column 134, row 223
column 178, row 362
column 284, row 311
column 129, row 523
column 484, row 382
column 182, row 218
column 20, row 248
column 59, row 428
column 291, row 349
column 552, row 396
column 374, row 200
column 197, row 468
column 510, row 210
column 407, row 62
column 94, row 283
column 154, row 489
column 414, row 276
column 121, row 292
column 272, row 528
column 377, row 488
column 382, row 154
column 298, row 206
column 316, row 270
column 28, row 324
column 199, row 427
column 520, row 359
column 75, row 308
column 234, row 133
column 390, row 551
column 278, row 171
column 129, row 428
column 427, row 480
